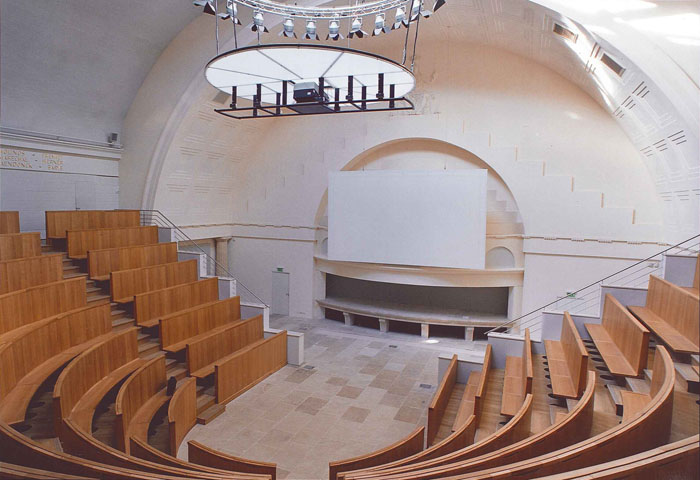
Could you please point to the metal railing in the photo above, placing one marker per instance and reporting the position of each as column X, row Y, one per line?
column 156, row 218
column 587, row 300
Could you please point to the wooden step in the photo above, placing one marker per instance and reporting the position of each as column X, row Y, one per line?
column 117, row 314
column 92, row 290
column 98, row 298
column 690, row 376
column 148, row 347
column 123, row 322
column 74, row 275
column 70, row 268
column 555, row 412
column 142, row 337
column 53, row 444
column 204, row 401
column 178, row 372
column 614, row 391
column 571, row 404
column 638, row 385
column 695, row 361
column 647, row 374
column 210, row 414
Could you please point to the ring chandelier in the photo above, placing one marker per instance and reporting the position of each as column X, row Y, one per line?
column 275, row 80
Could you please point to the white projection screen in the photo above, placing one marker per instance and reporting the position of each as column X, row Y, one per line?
column 425, row 218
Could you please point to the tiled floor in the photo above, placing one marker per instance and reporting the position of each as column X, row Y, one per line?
column 358, row 390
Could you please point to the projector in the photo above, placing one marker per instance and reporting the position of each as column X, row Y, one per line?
column 309, row 92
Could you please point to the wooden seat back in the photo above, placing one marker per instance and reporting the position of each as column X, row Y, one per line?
column 210, row 348
column 238, row 372
column 438, row 404
column 90, row 367
column 59, row 222
column 143, row 384
column 179, row 326
column 696, row 278
column 9, row 222
column 528, row 370
column 81, row 241
column 203, row 455
column 19, row 245
column 125, row 284
column 483, row 383
column 405, row 447
column 630, row 336
column 103, row 262
column 150, row 306
column 48, row 338
column 29, row 305
column 182, row 412
column 575, row 353
column 28, row 272
column 676, row 306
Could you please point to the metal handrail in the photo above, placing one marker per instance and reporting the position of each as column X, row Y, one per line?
column 158, row 215
column 510, row 323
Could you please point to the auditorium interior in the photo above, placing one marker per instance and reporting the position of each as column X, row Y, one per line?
column 349, row 240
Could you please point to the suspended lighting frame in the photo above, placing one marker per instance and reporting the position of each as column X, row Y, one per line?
column 323, row 13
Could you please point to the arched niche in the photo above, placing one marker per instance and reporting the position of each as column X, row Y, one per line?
column 499, row 258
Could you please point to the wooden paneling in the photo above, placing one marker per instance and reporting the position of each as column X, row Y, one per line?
column 19, row 245
column 696, row 279
column 148, row 307
column 58, row 222
column 27, row 306
column 103, row 262
column 81, row 241
column 180, row 326
column 205, row 351
column 203, row 455
column 568, row 361
column 29, row 272
column 437, row 407
column 182, row 412
column 410, row 445
column 238, row 372
column 127, row 283
column 9, row 222
column 134, row 393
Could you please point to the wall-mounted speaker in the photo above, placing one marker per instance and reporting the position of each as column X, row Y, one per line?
column 112, row 138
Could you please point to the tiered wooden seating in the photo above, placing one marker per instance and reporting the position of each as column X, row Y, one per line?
column 28, row 272
column 17, row 472
column 31, row 356
column 203, row 455
column 138, row 400
column 80, row 241
column 204, row 352
column 124, row 284
column 517, row 382
column 635, row 402
column 182, row 413
column 9, row 222
column 474, row 391
column 621, row 340
column 149, row 306
column 672, row 313
column 23, row 307
column 240, row 371
column 103, row 262
column 19, row 245
column 438, row 404
column 568, row 361
column 58, row 222
column 177, row 329
column 410, row 445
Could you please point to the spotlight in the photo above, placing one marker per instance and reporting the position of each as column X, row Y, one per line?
column 231, row 12
column 207, row 4
column 288, row 28
column 399, row 18
column 356, row 28
column 258, row 24
column 417, row 9
column 380, row 25
column 438, row 4
column 334, row 30
column 311, row 30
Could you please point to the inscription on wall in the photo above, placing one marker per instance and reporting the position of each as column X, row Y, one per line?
column 28, row 160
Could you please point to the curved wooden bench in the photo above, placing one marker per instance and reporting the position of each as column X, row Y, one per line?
column 182, row 413
column 59, row 221
column 177, row 329
column 29, row 272
column 405, row 447
column 9, row 471
column 19, row 245
column 517, row 382
column 9, row 222
column 648, row 429
column 568, row 361
column 438, row 404
column 23, row 307
column 124, row 284
column 32, row 356
column 138, row 400
column 149, row 306
column 474, row 391
column 203, row 353
column 675, row 460
column 575, row 427
column 79, row 242
column 105, row 261
column 203, row 455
